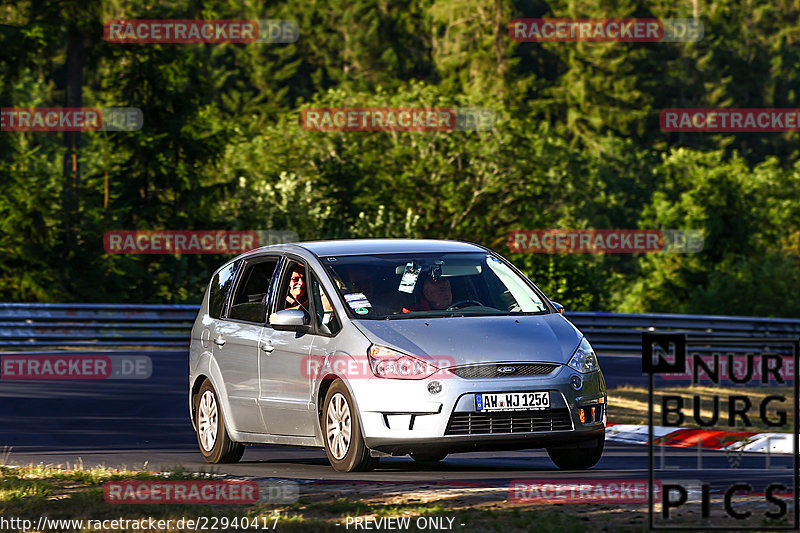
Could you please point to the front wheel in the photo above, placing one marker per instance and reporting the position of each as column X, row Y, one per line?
column 215, row 445
column 344, row 443
column 577, row 458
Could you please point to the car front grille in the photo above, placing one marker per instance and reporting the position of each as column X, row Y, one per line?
column 493, row 370
column 509, row 422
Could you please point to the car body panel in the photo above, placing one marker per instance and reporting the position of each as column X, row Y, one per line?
column 237, row 360
column 285, row 399
column 479, row 339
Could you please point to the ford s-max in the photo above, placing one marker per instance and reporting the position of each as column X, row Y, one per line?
column 370, row 348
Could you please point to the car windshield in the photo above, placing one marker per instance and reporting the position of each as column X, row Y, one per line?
column 398, row 286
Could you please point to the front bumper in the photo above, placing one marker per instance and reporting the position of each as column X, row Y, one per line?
column 401, row 416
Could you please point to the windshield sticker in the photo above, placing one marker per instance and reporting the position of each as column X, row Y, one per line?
column 493, row 258
column 362, row 310
column 357, row 300
column 409, row 279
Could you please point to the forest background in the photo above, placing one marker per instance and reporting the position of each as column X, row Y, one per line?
column 577, row 144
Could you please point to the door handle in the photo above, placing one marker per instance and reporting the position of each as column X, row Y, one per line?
column 267, row 347
column 219, row 341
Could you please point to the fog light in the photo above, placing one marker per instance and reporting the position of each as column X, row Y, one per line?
column 434, row 387
column 576, row 382
column 582, row 415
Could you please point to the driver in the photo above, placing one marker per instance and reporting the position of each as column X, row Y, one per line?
column 435, row 295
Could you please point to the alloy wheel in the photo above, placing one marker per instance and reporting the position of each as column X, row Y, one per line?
column 207, row 421
column 338, row 426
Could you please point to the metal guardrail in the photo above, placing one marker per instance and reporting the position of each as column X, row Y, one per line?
column 54, row 325
column 617, row 333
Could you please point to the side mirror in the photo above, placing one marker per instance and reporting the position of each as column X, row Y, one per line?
column 289, row 320
column 559, row 307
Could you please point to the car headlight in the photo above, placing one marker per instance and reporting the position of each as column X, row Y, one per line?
column 388, row 363
column 584, row 359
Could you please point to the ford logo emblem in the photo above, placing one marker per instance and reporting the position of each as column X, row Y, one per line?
column 506, row 369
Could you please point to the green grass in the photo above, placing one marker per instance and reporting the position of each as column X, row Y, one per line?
column 33, row 491
column 14, row 488
column 346, row 507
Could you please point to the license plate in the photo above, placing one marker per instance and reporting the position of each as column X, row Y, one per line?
column 512, row 401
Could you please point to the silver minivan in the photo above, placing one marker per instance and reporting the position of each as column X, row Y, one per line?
column 377, row 347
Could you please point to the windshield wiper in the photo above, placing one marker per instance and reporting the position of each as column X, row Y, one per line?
column 405, row 316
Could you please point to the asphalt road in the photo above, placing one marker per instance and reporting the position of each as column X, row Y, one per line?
column 133, row 423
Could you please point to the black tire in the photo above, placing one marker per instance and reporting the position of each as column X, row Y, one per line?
column 216, row 446
column 428, row 457
column 346, row 452
column 577, row 458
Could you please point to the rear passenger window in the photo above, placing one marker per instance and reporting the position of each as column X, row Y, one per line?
column 250, row 301
column 220, row 287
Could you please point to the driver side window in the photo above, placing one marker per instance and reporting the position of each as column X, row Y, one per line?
column 293, row 290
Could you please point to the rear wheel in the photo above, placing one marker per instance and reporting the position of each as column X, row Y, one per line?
column 344, row 443
column 215, row 445
column 428, row 457
column 577, row 458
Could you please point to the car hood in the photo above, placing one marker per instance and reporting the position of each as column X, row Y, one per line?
column 465, row 340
